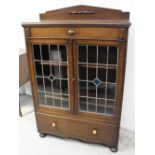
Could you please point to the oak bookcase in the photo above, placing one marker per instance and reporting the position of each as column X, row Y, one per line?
column 77, row 58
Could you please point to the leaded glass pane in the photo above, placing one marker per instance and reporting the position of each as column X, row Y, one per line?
column 110, row 91
column 51, row 67
column 83, row 103
column 112, row 56
column 39, row 68
column 36, row 51
column 97, row 72
column 45, row 52
column 111, row 75
column 82, row 88
column 82, row 72
column 91, row 89
column 92, row 54
column 82, row 54
column 40, row 83
column 91, row 104
column 102, row 54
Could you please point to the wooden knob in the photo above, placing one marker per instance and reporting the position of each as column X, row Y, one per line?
column 71, row 32
column 94, row 131
column 53, row 124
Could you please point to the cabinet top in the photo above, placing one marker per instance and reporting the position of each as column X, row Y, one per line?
column 82, row 15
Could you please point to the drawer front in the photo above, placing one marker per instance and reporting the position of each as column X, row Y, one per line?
column 87, row 131
column 77, row 33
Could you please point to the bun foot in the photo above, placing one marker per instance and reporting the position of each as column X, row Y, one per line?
column 42, row 135
column 113, row 149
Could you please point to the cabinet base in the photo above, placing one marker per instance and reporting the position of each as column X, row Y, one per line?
column 106, row 134
column 112, row 149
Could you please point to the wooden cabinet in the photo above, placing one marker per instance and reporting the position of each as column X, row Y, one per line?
column 76, row 59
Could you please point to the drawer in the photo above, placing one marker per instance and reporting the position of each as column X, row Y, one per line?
column 87, row 131
column 76, row 32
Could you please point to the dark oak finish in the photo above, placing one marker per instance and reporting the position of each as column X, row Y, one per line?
column 74, row 27
column 105, row 134
column 79, row 32
column 75, row 12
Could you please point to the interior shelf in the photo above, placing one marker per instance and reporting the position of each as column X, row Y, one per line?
column 99, row 104
column 57, row 97
column 100, row 66
column 53, row 63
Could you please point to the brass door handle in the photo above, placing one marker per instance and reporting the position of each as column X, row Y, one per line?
column 71, row 32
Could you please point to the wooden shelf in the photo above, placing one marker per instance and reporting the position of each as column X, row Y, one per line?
column 57, row 97
column 99, row 104
column 54, row 63
column 100, row 66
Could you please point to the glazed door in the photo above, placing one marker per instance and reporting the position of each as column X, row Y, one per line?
column 53, row 79
column 96, row 72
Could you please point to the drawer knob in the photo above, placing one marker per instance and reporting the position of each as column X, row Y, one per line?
column 71, row 32
column 53, row 124
column 94, row 131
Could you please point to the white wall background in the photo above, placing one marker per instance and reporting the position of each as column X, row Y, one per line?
column 29, row 11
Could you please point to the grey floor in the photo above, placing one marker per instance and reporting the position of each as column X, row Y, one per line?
column 32, row 144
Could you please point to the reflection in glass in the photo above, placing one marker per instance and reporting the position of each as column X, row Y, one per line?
column 54, row 55
column 58, row 53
